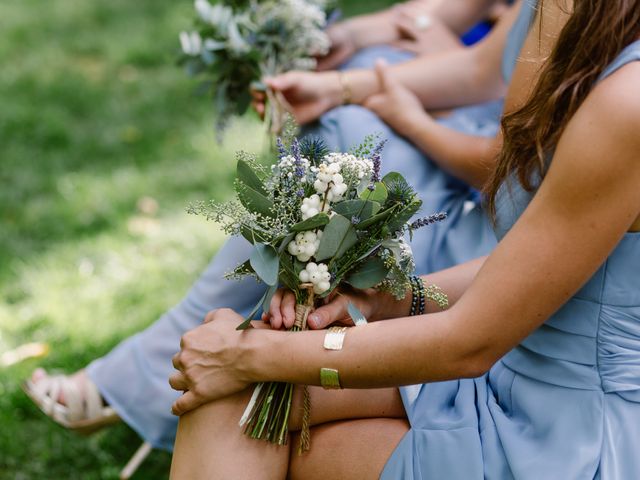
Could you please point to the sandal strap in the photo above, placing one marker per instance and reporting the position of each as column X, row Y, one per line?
column 80, row 403
column 93, row 403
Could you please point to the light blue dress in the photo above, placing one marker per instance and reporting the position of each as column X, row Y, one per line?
column 564, row 404
column 133, row 377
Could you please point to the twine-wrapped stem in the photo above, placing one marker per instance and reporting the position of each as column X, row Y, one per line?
column 302, row 313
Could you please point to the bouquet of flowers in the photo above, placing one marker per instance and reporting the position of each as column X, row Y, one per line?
column 238, row 42
column 317, row 220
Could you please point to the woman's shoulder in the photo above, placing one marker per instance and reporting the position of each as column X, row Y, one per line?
column 614, row 104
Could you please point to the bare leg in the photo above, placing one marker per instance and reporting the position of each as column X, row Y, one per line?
column 352, row 449
column 210, row 445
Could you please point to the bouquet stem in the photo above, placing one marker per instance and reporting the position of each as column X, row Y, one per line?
column 278, row 109
column 267, row 414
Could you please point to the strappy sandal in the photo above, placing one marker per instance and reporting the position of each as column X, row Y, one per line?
column 84, row 411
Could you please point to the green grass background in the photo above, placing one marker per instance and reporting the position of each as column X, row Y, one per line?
column 97, row 121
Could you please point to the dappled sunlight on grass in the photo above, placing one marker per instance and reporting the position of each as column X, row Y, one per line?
column 104, row 144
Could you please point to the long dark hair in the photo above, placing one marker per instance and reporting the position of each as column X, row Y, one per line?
column 593, row 36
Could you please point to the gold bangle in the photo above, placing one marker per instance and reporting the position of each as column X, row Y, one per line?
column 334, row 338
column 329, row 379
column 347, row 93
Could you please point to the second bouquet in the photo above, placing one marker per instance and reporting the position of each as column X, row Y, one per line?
column 317, row 220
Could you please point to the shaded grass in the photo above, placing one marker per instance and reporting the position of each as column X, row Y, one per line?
column 102, row 145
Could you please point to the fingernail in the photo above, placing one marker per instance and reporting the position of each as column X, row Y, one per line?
column 313, row 320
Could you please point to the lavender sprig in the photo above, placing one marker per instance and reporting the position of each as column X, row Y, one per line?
column 282, row 151
column 431, row 219
column 376, row 157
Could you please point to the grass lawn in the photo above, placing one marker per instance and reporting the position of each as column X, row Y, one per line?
column 102, row 145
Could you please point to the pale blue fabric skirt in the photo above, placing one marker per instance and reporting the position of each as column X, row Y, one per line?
column 563, row 404
column 133, row 377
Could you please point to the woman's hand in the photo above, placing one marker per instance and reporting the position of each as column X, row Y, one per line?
column 309, row 94
column 374, row 306
column 432, row 37
column 343, row 46
column 209, row 362
column 398, row 106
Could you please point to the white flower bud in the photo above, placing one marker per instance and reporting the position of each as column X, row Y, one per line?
column 304, row 276
column 320, row 186
column 324, row 176
column 311, row 267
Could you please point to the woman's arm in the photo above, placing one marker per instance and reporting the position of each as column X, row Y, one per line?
column 470, row 158
column 587, row 201
column 383, row 27
column 374, row 305
column 450, row 79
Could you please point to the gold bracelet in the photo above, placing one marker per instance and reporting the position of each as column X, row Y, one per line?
column 347, row 93
column 334, row 338
column 329, row 379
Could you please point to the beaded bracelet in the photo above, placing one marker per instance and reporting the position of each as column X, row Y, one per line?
column 420, row 293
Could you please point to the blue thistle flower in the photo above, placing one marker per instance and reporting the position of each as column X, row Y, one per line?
column 423, row 222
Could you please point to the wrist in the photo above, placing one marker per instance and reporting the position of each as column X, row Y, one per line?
column 388, row 306
column 335, row 92
column 258, row 353
column 419, row 127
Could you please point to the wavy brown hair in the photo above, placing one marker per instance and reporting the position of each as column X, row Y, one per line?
column 593, row 36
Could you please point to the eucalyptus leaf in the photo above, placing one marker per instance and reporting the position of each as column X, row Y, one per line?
column 375, row 219
column 252, row 236
column 362, row 209
column 247, row 321
column 284, row 242
column 338, row 236
column 266, row 302
column 369, row 274
column 399, row 220
column 379, row 193
column 356, row 315
column 265, row 262
column 254, row 201
column 288, row 275
column 317, row 221
column 247, row 176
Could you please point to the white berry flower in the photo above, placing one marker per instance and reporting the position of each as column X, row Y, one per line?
column 317, row 274
column 310, row 206
column 304, row 245
column 320, row 186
